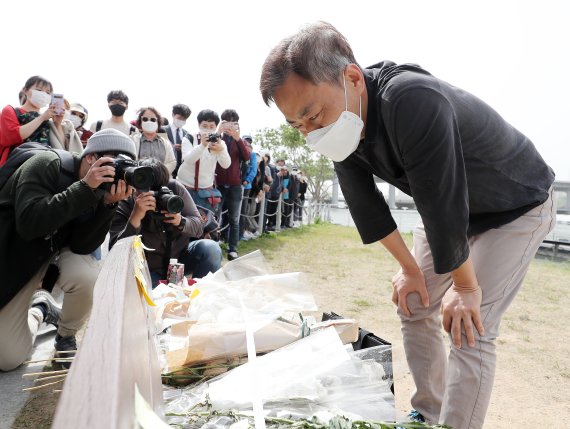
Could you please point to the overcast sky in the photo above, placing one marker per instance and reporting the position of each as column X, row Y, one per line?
column 512, row 54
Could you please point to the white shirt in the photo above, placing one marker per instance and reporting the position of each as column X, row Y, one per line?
column 123, row 127
column 175, row 130
column 208, row 160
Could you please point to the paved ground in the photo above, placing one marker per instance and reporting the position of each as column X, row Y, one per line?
column 12, row 399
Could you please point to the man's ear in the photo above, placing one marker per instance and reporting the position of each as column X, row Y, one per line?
column 354, row 77
column 91, row 158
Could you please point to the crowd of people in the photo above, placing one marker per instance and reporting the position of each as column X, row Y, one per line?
column 52, row 234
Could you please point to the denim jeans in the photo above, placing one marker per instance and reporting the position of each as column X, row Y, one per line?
column 231, row 201
column 199, row 258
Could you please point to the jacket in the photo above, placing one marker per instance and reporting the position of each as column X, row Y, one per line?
column 72, row 142
column 191, row 153
column 165, row 148
column 154, row 230
column 251, row 170
column 36, row 221
column 467, row 169
column 238, row 152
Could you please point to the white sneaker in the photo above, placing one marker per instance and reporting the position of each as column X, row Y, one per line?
column 248, row 235
column 232, row 256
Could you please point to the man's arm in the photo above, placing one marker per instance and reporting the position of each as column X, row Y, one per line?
column 193, row 226
column 424, row 127
column 244, row 151
column 251, row 169
column 366, row 203
column 89, row 232
column 223, row 156
column 191, row 153
column 120, row 225
column 40, row 208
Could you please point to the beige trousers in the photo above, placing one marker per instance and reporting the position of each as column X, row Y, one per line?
column 19, row 323
column 456, row 389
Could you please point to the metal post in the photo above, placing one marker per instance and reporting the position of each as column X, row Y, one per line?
column 278, row 214
column 392, row 196
column 261, row 218
column 335, row 191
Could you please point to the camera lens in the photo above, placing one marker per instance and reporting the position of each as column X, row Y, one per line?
column 173, row 203
column 140, row 178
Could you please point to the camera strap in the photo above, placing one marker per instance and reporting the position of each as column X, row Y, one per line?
column 197, row 172
column 196, row 175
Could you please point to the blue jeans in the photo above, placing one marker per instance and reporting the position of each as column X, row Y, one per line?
column 199, row 258
column 231, row 201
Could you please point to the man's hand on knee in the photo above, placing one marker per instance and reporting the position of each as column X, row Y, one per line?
column 462, row 307
column 405, row 283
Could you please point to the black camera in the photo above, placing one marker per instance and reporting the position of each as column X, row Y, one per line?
column 140, row 178
column 167, row 201
column 213, row 137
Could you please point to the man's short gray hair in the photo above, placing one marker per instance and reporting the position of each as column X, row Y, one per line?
column 317, row 53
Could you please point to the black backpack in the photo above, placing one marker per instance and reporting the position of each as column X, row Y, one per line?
column 25, row 151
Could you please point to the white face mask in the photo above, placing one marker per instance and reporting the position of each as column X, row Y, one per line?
column 149, row 126
column 75, row 120
column 39, row 98
column 339, row 139
column 178, row 123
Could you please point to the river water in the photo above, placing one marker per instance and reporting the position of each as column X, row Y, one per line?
column 407, row 219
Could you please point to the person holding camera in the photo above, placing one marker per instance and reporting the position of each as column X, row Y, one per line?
column 168, row 221
column 200, row 158
column 230, row 180
column 39, row 224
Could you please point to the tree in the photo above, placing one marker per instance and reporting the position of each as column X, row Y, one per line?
column 288, row 143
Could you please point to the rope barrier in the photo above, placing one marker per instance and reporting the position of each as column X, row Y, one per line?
column 279, row 217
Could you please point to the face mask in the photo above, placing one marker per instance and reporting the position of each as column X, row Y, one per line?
column 149, row 126
column 117, row 109
column 75, row 120
column 178, row 123
column 339, row 139
column 39, row 98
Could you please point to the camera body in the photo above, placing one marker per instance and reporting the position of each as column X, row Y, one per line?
column 140, row 178
column 167, row 201
column 213, row 137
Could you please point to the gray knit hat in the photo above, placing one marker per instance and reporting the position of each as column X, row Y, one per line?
column 110, row 140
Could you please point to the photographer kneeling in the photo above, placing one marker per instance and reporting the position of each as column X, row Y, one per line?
column 169, row 234
column 43, row 221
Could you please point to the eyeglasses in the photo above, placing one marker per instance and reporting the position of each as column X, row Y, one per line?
column 144, row 119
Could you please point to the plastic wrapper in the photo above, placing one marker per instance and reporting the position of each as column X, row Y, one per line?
column 313, row 376
column 209, row 319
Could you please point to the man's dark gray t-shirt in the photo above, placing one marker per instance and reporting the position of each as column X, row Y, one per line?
column 466, row 168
